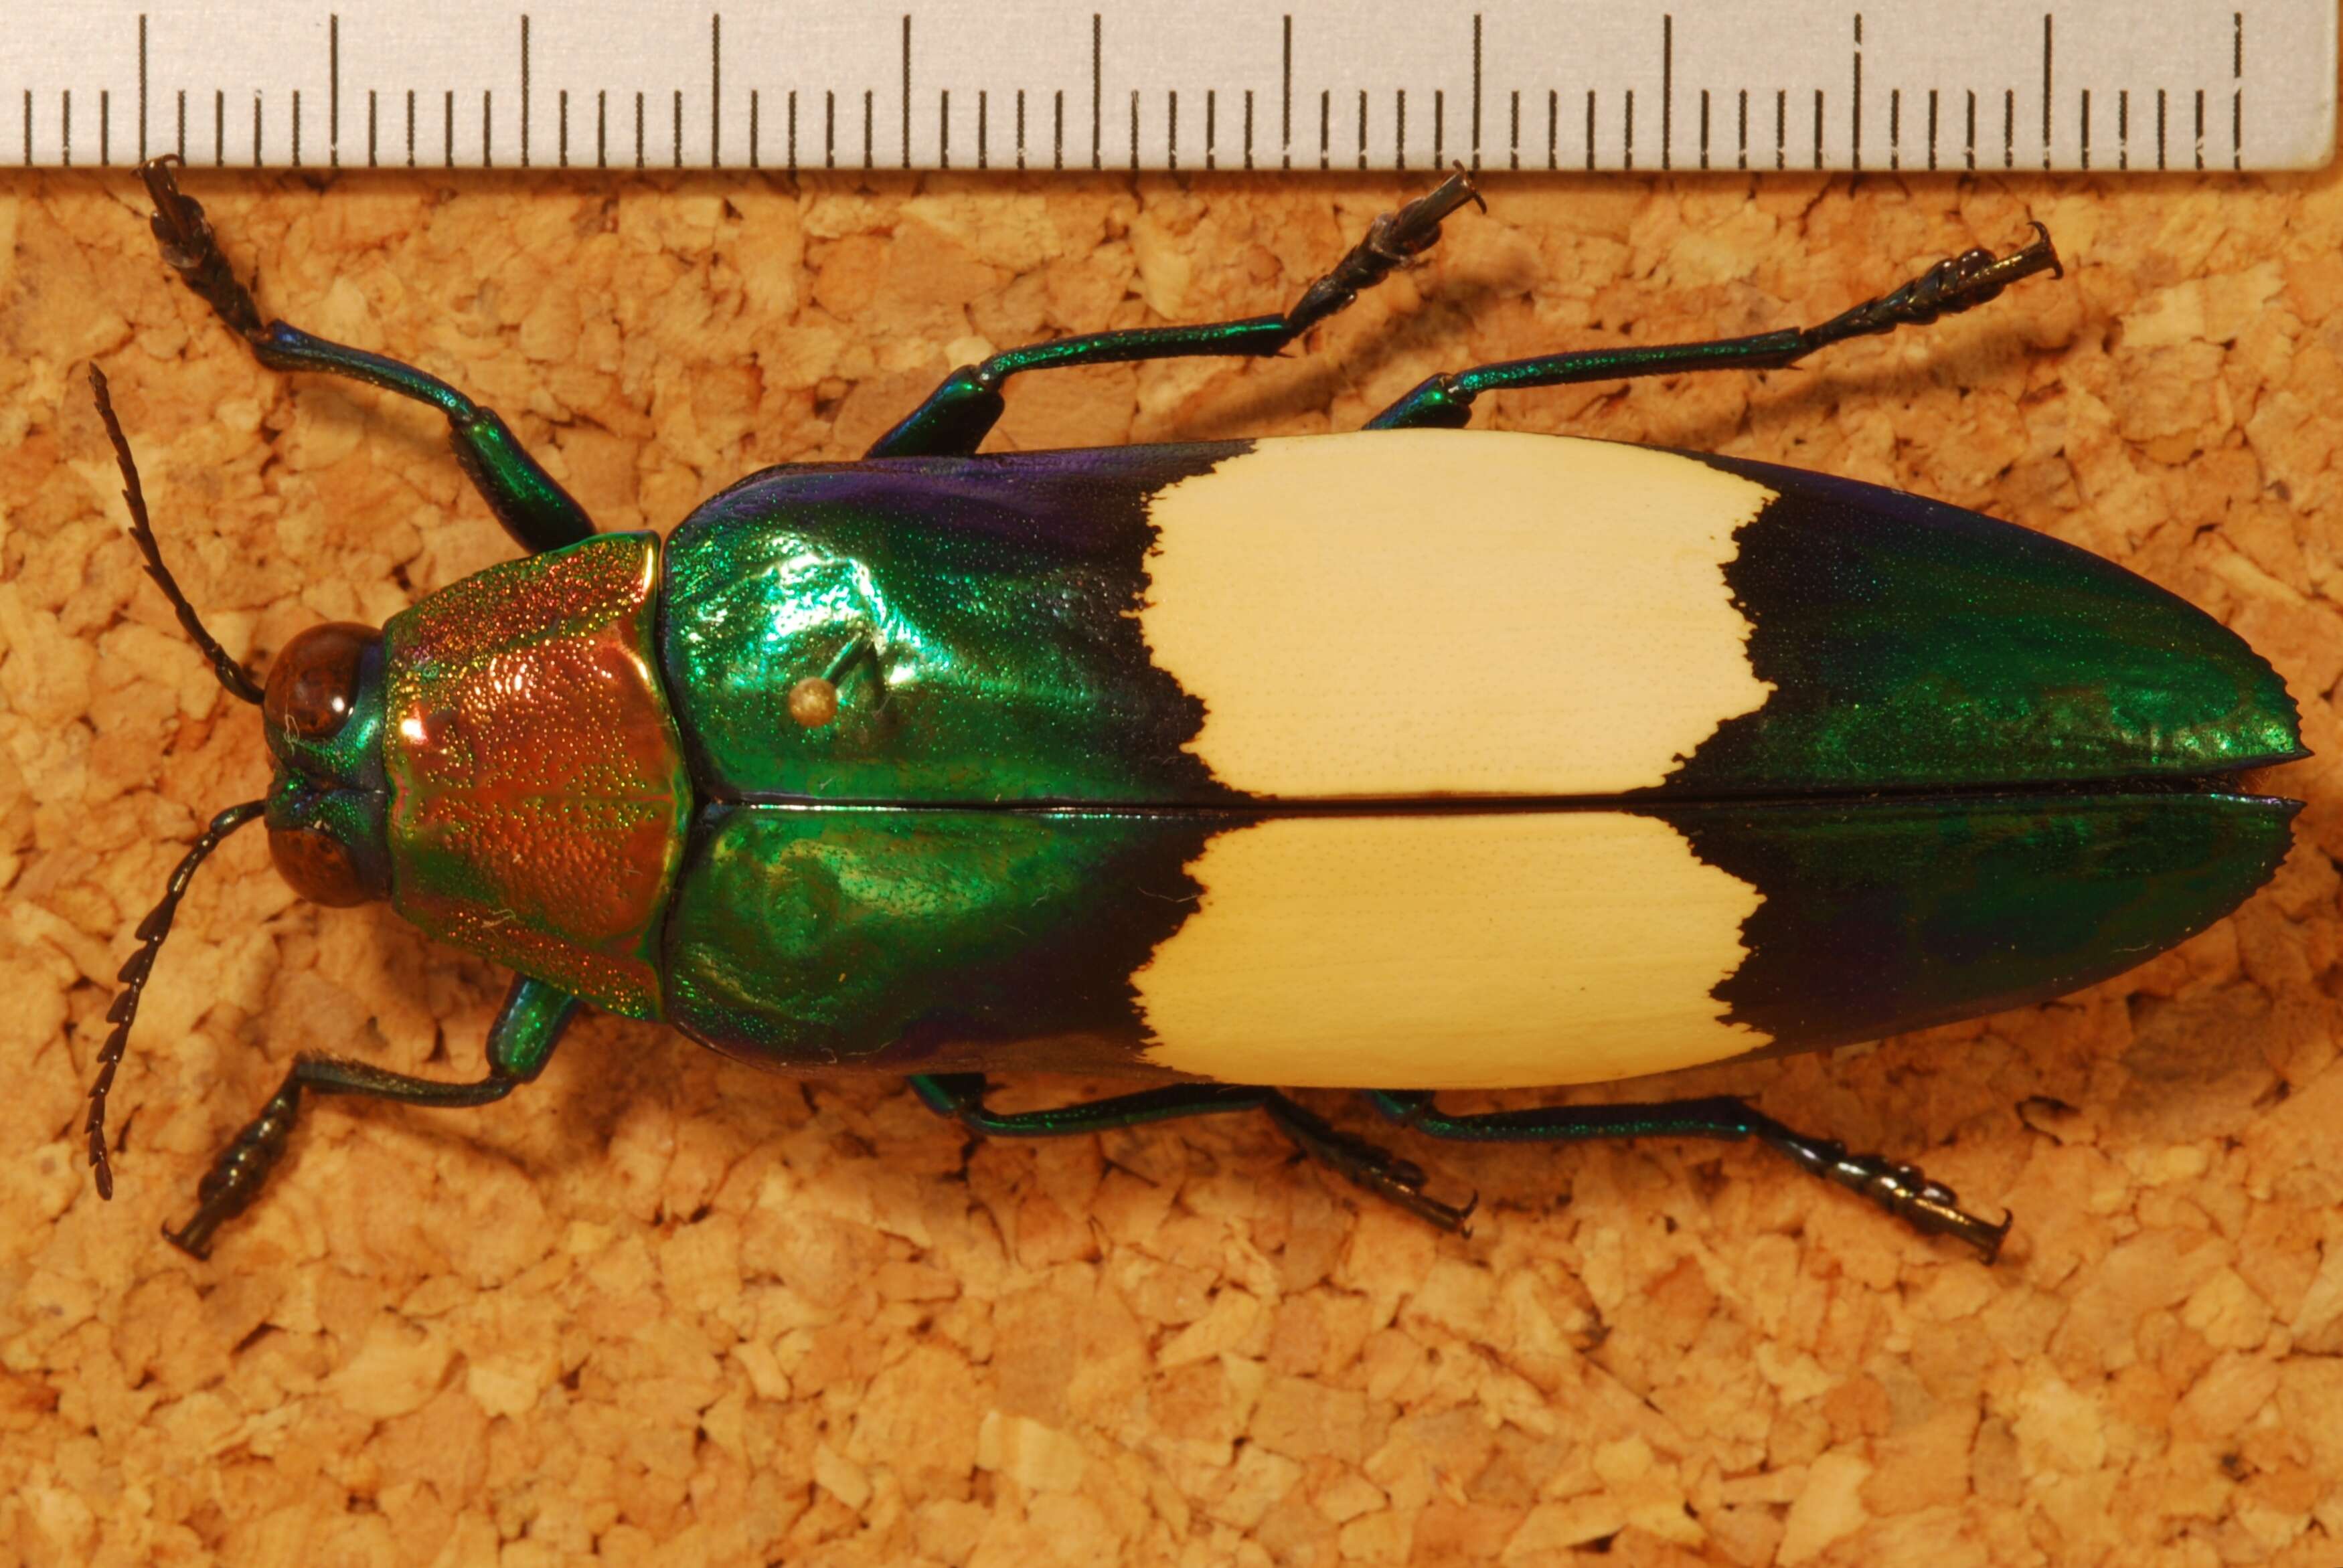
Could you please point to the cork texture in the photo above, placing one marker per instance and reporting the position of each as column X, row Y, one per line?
column 658, row 1308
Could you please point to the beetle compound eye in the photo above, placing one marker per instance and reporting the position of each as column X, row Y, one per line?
column 317, row 866
column 813, row 701
column 313, row 685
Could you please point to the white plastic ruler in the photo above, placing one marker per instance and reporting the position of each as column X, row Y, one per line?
column 2100, row 85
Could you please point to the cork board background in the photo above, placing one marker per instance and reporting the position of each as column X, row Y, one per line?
column 660, row 1309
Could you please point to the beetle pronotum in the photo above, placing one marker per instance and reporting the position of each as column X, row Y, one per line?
column 1154, row 759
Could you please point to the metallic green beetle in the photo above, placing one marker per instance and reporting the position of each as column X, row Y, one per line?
column 1396, row 761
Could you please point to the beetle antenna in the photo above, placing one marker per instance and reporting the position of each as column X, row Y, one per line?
column 231, row 674
column 140, row 964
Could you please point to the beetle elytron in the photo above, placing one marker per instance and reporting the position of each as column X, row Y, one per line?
column 1395, row 761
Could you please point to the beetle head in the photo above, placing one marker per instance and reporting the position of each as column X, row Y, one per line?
column 327, row 807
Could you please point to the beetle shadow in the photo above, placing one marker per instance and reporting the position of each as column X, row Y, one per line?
column 1261, row 404
column 2112, row 1072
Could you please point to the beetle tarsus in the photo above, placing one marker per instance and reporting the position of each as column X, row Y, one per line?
column 1367, row 1165
column 1959, row 283
column 533, row 1017
column 1929, row 1207
column 961, row 1096
column 242, row 1169
column 1392, row 240
column 193, row 251
column 1934, row 1210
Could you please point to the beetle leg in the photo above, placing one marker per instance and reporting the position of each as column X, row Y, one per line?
column 961, row 1095
column 958, row 414
column 1966, row 281
column 1367, row 1165
column 1926, row 1206
column 534, row 509
column 519, row 1042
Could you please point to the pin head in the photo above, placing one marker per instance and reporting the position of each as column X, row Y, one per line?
column 813, row 701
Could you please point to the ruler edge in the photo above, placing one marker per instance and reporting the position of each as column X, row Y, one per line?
column 2326, row 104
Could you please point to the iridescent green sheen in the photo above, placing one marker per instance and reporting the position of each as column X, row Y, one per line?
column 527, row 1026
column 811, row 937
column 538, row 512
column 1914, row 645
column 1250, row 334
column 817, row 937
column 534, row 509
column 1931, row 672
column 985, row 609
column 958, row 414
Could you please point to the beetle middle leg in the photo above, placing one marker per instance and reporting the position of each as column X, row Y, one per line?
column 961, row 1095
column 534, row 509
column 958, row 414
column 1962, row 283
column 1928, row 1206
column 521, row 1041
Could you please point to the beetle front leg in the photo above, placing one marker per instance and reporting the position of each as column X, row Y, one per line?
column 961, row 1095
column 1928, row 1206
column 533, row 507
column 523, row 1037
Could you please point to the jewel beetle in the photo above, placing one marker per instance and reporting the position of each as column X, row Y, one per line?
column 1402, row 760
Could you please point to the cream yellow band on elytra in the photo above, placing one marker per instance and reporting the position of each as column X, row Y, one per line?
column 1409, row 612
column 1465, row 951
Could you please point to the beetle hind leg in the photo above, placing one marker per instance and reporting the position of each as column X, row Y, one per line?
column 1960, row 283
column 1367, row 1165
column 961, row 1095
column 1928, row 1206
